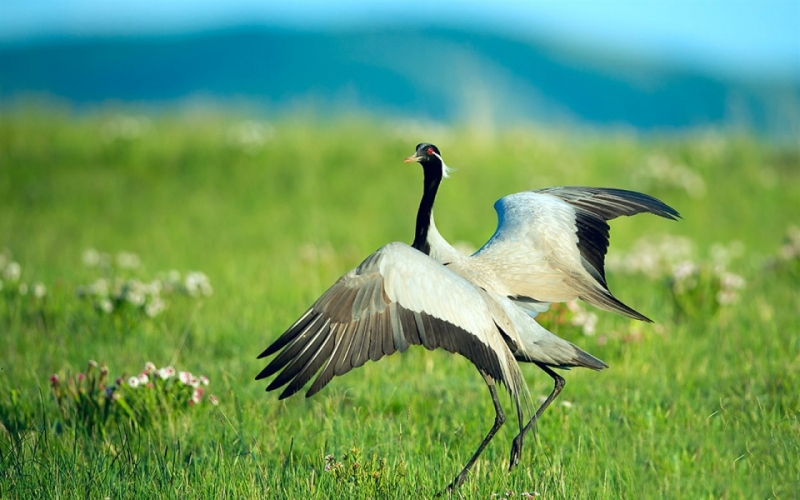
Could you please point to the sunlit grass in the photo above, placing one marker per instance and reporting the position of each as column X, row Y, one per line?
column 703, row 404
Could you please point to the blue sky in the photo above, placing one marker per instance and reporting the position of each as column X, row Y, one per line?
column 757, row 37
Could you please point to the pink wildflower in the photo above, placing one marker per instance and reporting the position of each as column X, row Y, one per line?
column 204, row 380
column 54, row 380
column 194, row 382
column 166, row 373
column 197, row 395
column 214, row 400
column 81, row 376
column 185, row 377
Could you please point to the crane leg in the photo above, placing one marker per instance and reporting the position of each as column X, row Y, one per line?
column 499, row 419
column 516, row 445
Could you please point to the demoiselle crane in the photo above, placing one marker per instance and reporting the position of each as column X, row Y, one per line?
column 481, row 306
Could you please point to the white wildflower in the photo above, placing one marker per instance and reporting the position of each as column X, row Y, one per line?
column 684, row 270
column 722, row 255
column 135, row 297
column 39, row 290
column 166, row 372
column 250, row 136
column 91, row 257
column 99, row 288
column 654, row 257
column 143, row 378
column 732, row 281
column 590, row 324
column 582, row 318
column 128, row 260
column 12, row 271
column 125, row 128
column 197, row 284
column 185, row 377
column 659, row 170
column 153, row 288
column 105, row 305
column 133, row 381
column 149, row 367
column 172, row 281
column 790, row 249
column 727, row 297
column 154, row 307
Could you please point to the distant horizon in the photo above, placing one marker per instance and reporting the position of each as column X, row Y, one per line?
column 739, row 39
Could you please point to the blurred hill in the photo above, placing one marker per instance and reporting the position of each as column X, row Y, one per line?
column 483, row 79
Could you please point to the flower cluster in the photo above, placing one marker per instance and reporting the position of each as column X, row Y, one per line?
column 109, row 295
column 11, row 279
column 693, row 281
column 180, row 382
column 571, row 313
column 659, row 171
column 790, row 249
column 118, row 289
column 697, row 285
column 654, row 257
column 125, row 128
column 788, row 257
column 93, row 398
column 250, row 136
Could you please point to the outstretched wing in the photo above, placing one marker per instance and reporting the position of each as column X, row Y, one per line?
column 550, row 244
column 396, row 298
column 595, row 206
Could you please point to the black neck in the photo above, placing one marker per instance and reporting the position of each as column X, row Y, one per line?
column 431, row 180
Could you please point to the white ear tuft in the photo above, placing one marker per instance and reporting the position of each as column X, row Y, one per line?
column 445, row 169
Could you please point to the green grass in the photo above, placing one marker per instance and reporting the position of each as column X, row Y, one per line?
column 702, row 406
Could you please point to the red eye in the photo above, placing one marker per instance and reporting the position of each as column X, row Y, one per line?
column 430, row 151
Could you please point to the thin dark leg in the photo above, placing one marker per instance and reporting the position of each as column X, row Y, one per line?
column 499, row 419
column 516, row 445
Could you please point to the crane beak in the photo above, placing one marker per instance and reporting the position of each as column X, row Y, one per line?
column 413, row 157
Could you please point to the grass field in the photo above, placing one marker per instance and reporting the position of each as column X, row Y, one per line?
column 703, row 404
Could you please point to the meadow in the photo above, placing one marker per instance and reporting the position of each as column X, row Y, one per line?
column 192, row 241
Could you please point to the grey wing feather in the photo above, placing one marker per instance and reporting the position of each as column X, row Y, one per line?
column 550, row 245
column 378, row 309
column 595, row 206
column 535, row 344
